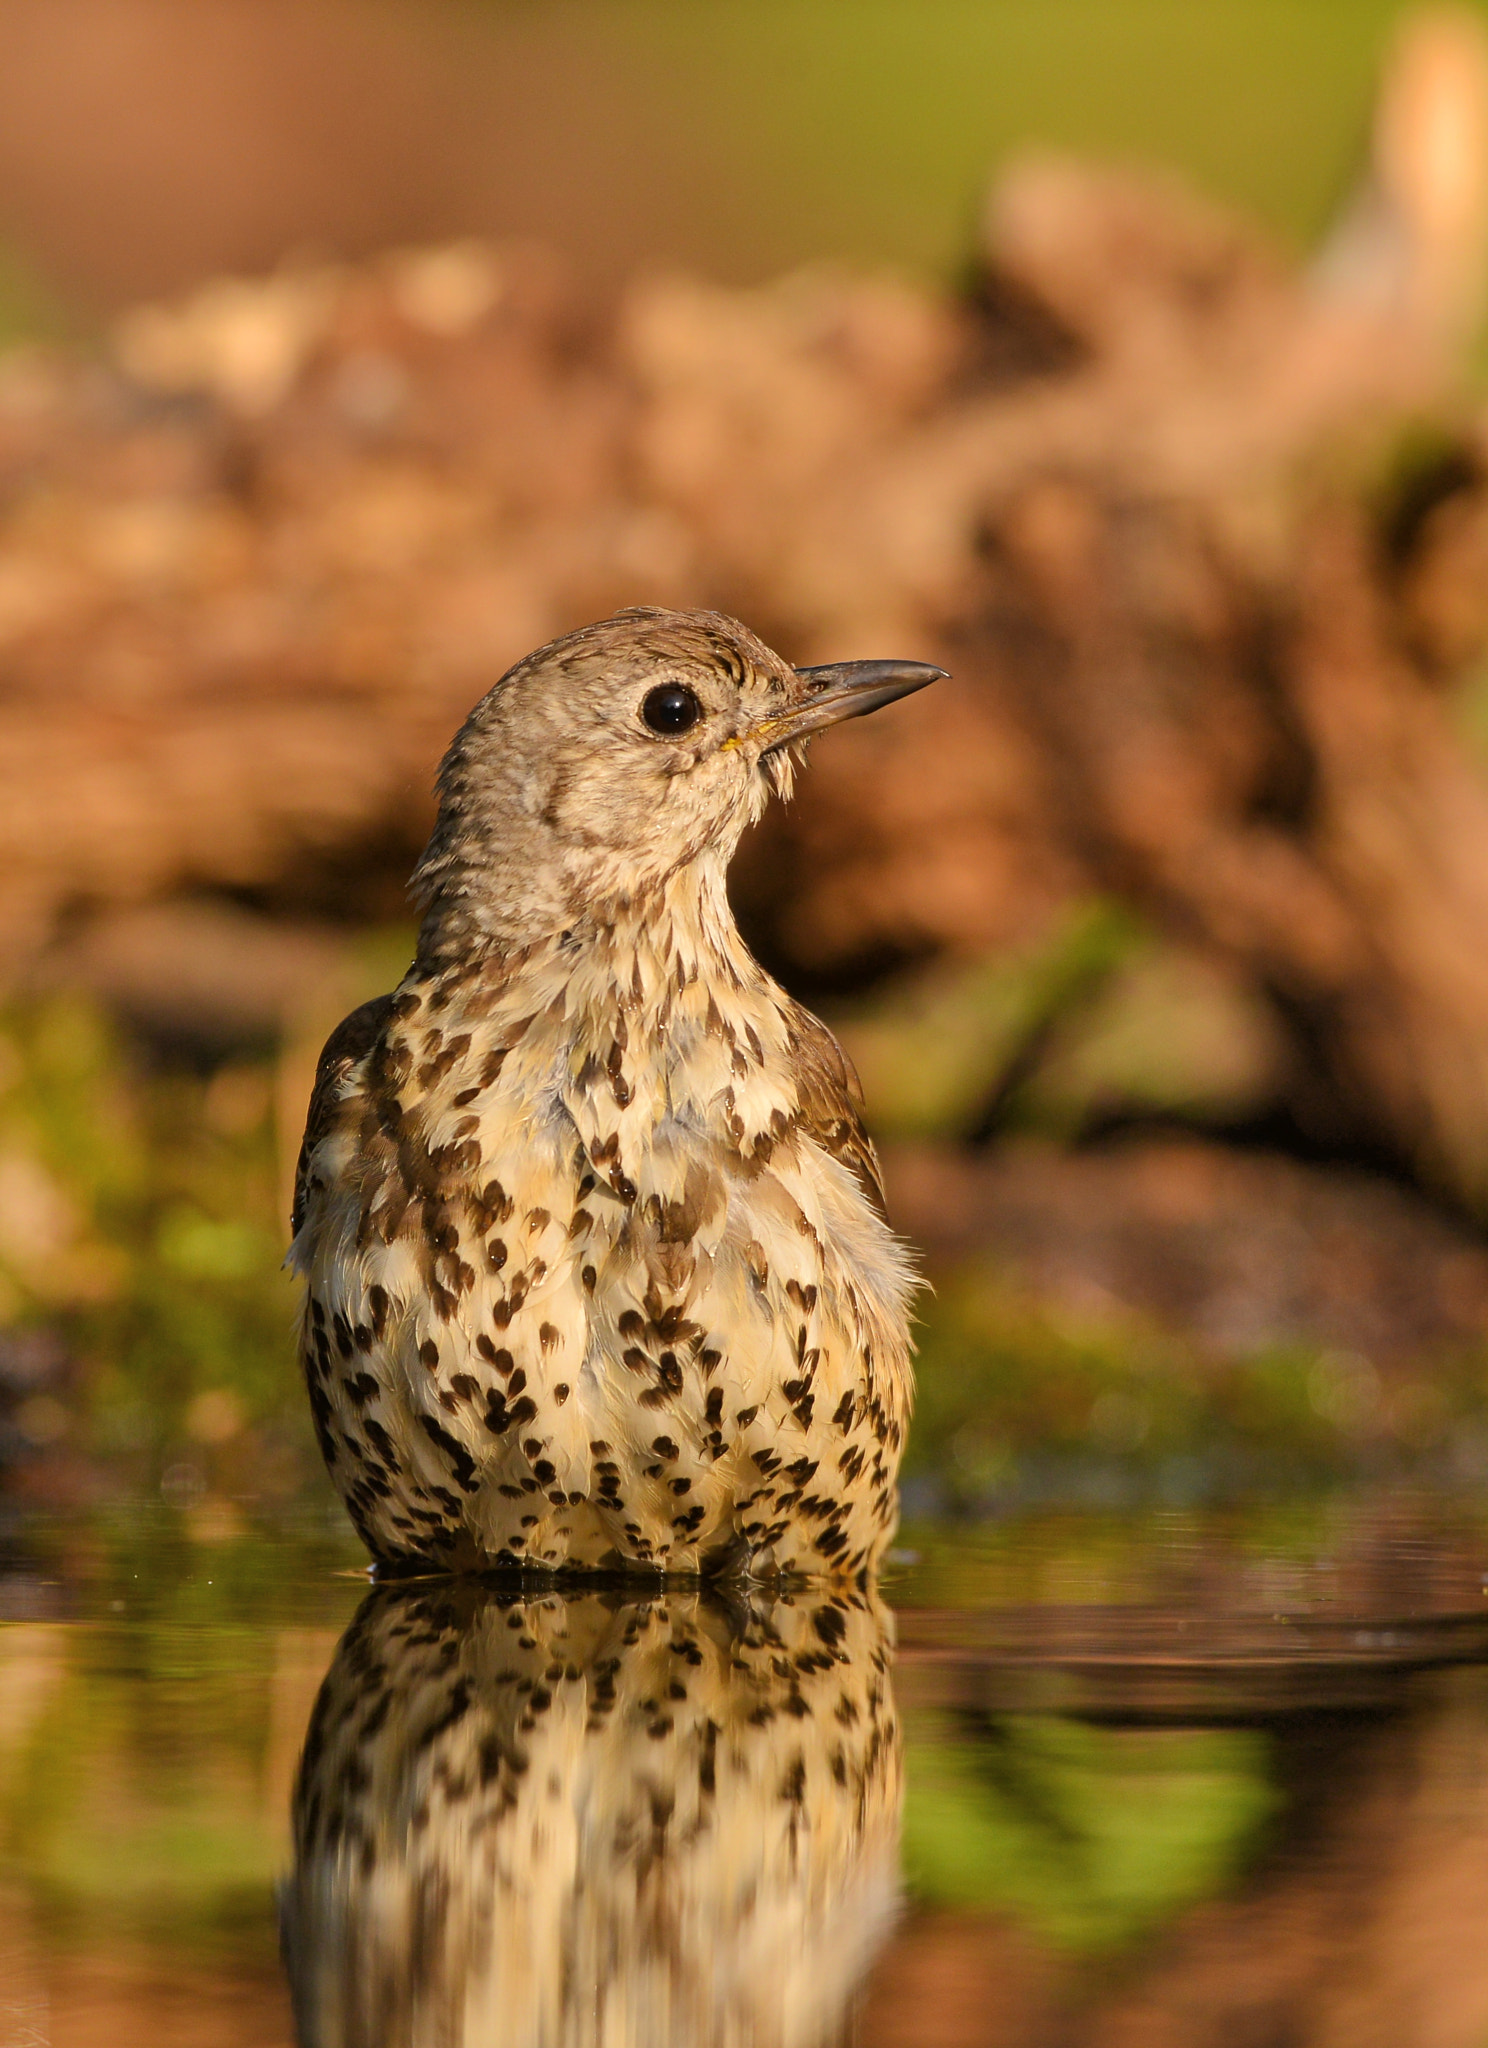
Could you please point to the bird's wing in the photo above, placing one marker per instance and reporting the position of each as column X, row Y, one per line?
column 829, row 1095
column 351, row 1041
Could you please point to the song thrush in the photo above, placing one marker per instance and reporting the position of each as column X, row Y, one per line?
column 598, row 1271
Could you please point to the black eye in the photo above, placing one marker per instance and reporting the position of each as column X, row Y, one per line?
column 671, row 708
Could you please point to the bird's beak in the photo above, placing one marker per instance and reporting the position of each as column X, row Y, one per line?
column 844, row 689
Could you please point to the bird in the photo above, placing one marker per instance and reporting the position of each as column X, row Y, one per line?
column 598, row 1272
column 595, row 1817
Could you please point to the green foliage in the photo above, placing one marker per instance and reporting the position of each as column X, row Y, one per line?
column 144, row 1215
column 1097, row 1015
column 140, row 1214
column 1017, row 1401
column 1090, row 1836
column 1168, row 1032
column 935, row 1050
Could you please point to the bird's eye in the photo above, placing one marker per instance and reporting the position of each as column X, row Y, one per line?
column 671, row 708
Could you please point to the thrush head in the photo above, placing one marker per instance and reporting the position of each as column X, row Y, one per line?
column 613, row 757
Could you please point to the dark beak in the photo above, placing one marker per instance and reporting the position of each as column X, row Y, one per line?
column 846, row 689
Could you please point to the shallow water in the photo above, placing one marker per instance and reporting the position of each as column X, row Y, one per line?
column 1072, row 1780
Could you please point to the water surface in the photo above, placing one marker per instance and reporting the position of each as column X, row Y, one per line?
column 1062, row 1780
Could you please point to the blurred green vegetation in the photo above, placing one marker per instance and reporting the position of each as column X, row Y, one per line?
column 140, row 1216
column 866, row 128
column 753, row 135
column 143, row 1224
column 1096, row 1017
column 1090, row 1836
column 957, row 1047
column 1019, row 1402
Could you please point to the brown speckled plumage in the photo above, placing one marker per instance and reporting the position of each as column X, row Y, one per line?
column 592, row 1820
column 597, row 1267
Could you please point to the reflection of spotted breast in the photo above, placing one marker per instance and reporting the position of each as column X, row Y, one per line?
column 594, row 1821
column 597, row 1267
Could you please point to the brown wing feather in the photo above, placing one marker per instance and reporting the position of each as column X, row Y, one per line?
column 830, row 1095
column 352, row 1039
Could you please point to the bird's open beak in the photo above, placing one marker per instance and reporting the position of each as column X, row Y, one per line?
column 844, row 689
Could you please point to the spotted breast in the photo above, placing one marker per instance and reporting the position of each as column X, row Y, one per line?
column 598, row 1273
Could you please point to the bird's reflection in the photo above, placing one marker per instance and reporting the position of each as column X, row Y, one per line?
column 594, row 1817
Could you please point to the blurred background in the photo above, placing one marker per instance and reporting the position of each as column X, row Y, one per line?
column 149, row 144
column 1124, row 356
column 1126, row 359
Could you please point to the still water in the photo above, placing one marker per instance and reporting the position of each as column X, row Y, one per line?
column 1161, row 1779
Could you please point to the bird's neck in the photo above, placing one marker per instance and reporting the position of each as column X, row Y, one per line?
column 652, row 1017
column 656, row 961
column 635, row 957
